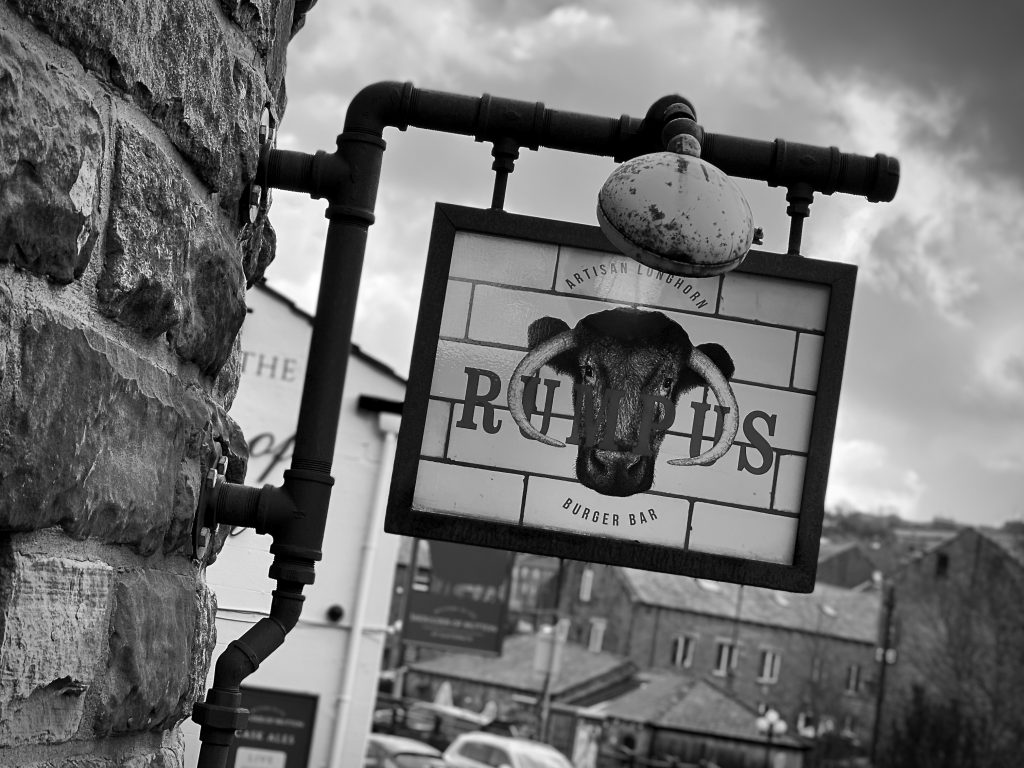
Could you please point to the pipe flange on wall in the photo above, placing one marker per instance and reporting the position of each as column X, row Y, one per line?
column 204, row 522
column 255, row 200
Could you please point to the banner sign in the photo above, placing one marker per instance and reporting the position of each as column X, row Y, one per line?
column 568, row 401
column 465, row 606
column 279, row 731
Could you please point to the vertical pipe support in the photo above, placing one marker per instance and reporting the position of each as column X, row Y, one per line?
column 799, row 196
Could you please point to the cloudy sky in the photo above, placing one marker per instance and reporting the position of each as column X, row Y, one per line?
column 932, row 413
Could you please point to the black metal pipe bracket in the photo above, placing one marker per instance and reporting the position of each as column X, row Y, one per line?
column 295, row 514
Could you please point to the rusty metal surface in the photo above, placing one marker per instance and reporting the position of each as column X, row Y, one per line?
column 677, row 213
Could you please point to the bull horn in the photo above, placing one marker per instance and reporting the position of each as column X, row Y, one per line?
column 528, row 366
column 702, row 364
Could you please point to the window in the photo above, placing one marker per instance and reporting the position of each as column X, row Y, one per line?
column 481, row 753
column 941, row 565
column 586, row 584
column 682, row 651
column 853, row 678
column 770, row 662
column 816, row 669
column 725, row 658
column 596, row 639
column 474, row 751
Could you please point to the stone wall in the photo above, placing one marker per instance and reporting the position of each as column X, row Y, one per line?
column 128, row 131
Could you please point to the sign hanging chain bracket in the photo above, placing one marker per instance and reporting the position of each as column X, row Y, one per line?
column 505, row 152
column 799, row 196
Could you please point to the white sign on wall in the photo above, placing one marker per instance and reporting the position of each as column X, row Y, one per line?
column 569, row 401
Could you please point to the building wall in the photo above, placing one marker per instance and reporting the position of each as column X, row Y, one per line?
column 796, row 690
column 319, row 657
column 646, row 635
column 958, row 628
column 609, row 599
column 127, row 134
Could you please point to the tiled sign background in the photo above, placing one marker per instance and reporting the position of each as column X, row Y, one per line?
column 745, row 505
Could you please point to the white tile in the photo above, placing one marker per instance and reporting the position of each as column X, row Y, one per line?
column 435, row 428
column 468, row 492
column 503, row 315
column 453, row 358
column 722, row 481
column 455, row 315
column 610, row 276
column 572, row 507
column 743, row 533
column 789, row 487
column 781, row 417
column 503, row 260
column 508, row 449
column 808, row 361
column 761, row 354
column 775, row 300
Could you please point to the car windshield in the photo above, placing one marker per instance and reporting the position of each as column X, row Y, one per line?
column 540, row 759
column 417, row 761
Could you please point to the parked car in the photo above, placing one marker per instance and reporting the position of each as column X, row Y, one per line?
column 436, row 724
column 491, row 750
column 386, row 751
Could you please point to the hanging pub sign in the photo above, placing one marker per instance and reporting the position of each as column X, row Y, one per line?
column 278, row 733
column 464, row 608
column 565, row 400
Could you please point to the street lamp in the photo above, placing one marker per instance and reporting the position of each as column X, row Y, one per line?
column 675, row 211
column 770, row 725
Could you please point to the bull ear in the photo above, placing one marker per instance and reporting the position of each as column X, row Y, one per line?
column 722, row 359
column 546, row 328
column 688, row 378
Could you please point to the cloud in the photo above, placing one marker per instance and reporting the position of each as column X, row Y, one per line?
column 865, row 477
column 929, row 48
column 934, row 366
column 949, row 225
column 1000, row 372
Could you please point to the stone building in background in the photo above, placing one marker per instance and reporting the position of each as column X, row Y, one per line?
column 127, row 134
column 955, row 691
column 809, row 656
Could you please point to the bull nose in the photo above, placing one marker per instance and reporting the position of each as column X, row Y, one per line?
column 623, row 460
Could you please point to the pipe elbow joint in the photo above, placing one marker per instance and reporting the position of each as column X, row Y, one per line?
column 379, row 105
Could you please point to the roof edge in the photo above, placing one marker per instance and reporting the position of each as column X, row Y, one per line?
column 358, row 351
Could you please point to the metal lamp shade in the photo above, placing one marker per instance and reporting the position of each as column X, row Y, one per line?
column 676, row 213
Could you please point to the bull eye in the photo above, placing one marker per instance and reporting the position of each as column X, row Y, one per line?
column 667, row 384
column 588, row 371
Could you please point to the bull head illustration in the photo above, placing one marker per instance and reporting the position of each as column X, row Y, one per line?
column 629, row 368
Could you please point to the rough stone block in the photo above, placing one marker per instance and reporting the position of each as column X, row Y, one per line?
column 197, row 459
column 56, row 617
column 161, row 637
column 174, row 60
column 169, row 265
column 94, row 437
column 116, row 754
column 267, row 24
column 6, row 328
column 258, row 242
column 51, row 155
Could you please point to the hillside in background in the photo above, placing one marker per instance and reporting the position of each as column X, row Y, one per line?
column 888, row 539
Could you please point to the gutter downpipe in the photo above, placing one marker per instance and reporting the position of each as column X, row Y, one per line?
column 296, row 513
column 389, row 424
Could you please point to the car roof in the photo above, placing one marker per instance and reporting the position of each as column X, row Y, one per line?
column 457, row 712
column 403, row 744
column 497, row 739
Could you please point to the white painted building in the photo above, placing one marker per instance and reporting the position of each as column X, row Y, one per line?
column 338, row 661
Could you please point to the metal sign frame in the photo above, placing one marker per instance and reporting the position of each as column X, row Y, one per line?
column 798, row 575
